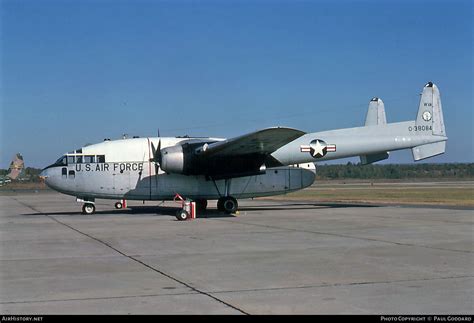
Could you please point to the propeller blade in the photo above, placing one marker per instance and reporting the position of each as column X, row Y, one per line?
column 157, row 155
column 153, row 151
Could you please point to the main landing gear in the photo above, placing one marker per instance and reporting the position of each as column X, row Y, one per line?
column 227, row 204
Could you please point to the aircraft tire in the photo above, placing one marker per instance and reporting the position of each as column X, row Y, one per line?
column 201, row 204
column 229, row 205
column 220, row 205
column 88, row 208
column 182, row 215
column 118, row 205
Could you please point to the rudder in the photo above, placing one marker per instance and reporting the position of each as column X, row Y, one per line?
column 430, row 112
column 375, row 117
column 430, row 120
column 375, row 113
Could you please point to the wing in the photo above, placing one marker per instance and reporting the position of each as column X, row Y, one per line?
column 235, row 157
column 244, row 155
column 263, row 142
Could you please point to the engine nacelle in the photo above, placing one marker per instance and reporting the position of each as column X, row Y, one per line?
column 184, row 159
column 172, row 159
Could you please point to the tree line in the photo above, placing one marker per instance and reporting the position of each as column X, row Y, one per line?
column 395, row 171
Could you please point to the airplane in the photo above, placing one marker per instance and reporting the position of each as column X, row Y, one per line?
column 15, row 170
column 17, row 166
column 266, row 162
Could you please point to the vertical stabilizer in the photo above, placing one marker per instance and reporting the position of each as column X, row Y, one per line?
column 16, row 166
column 375, row 117
column 430, row 112
column 376, row 113
column 430, row 120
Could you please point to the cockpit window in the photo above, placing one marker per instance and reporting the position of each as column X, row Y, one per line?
column 79, row 159
column 101, row 158
column 61, row 161
column 70, row 160
column 89, row 159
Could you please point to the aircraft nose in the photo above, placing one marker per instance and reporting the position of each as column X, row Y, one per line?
column 43, row 175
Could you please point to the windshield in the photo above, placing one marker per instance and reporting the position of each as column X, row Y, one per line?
column 62, row 161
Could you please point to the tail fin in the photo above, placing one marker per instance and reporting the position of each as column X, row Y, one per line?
column 16, row 166
column 375, row 116
column 376, row 113
column 430, row 117
column 430, row 112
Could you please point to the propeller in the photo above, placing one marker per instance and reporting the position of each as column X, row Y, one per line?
column 156, row 155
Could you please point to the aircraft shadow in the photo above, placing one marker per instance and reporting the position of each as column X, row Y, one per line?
column 211, row 212
column 304, row 206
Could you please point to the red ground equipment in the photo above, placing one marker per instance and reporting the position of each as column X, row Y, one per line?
column 188, row 208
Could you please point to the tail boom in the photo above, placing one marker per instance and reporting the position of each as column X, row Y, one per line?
column 425, row 136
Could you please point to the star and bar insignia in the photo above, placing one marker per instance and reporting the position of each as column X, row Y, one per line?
column 318, row 148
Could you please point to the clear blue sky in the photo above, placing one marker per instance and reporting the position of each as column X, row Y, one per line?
column 76, row 72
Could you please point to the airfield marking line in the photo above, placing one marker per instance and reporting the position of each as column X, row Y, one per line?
column 341, row 284
column 347, row 236
column 135, row 259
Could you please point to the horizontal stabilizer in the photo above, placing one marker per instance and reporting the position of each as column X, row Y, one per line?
column 428, row 150
column 372, row 158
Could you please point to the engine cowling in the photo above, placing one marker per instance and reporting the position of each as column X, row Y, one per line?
column 185, row 159
column 172, row 159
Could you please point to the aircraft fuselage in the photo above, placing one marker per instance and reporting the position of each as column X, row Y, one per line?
column 123, row 169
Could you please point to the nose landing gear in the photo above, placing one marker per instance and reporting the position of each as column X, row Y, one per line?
column 89, row 205
column 88, row 208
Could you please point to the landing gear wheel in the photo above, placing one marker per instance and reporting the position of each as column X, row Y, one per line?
column 227, row 204
column 220, row 207
column 118, row 205
column 182, row 215
column 88, row 208
column 201, row 204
